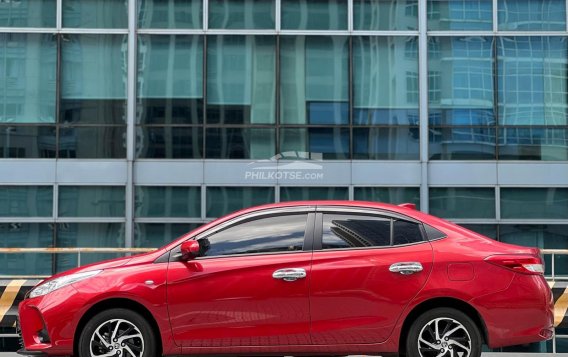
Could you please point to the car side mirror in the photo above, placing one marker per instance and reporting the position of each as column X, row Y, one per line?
column 189, row 250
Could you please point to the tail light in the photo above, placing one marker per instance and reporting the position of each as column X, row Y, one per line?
column 524, row 264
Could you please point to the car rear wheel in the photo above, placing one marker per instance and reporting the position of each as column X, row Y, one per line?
column 443, row 332
column 117, row 332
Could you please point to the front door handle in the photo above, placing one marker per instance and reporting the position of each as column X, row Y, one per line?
column 289, row 274
column 406, row 268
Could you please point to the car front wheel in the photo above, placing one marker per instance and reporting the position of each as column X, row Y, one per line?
column 117, row 332
column 443, row 332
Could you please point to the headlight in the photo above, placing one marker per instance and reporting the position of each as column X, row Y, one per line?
column 57, row 283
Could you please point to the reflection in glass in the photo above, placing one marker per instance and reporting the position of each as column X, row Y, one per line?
column 91, row 201
column 170, row 79
column 241, row 79
column 26, row 235
column 331, row 143
column 164, row 201
column 532, row 15
column 314, row 80
column 355, row 231
column 93, row 79
column 543, row 203
column 27, row 77
column 170, row 142
column 107, row 142
column 95, row 235
column 241, row 14
column 29, row 142
column 313, row 193
column 533, row 143
column 543, row 236
column 405, row 232
column 95, row 13
column 384, row 15
column 532, row 80
column 386, row 143
column 263, row 235
column 381, row 64
column 27, row 13
column 462, row 143
column 240, row 143
column 460, row 15
column 224, row 200
column 314, row 14
column 171, row 14
column 450, row 202
column 154, row 235
column 394, row 195
column 26, row 201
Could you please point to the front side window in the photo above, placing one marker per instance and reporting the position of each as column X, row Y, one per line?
column 342, row 231
column 284, row 233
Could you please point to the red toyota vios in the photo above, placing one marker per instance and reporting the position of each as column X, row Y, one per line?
column 299, row 278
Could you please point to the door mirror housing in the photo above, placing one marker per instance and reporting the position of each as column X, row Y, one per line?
column 189, row 250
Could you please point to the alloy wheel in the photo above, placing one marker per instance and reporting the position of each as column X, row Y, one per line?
column 444, row 337
column 117, row 337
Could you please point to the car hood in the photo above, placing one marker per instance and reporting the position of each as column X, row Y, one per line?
column 106, row 264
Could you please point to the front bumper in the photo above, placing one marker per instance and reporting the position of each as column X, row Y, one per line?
column 25, row 352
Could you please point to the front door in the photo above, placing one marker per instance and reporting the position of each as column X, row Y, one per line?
column 248, row 287
column 355, row 297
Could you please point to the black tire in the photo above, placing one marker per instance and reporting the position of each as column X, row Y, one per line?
column 466, row 335
column 130, row 324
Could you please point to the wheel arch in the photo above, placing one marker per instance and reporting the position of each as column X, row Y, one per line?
column 113, row 303
column 430, row 304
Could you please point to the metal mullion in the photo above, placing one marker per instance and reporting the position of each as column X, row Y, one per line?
column 241, row 32
column 278, row 15
column 174, row 220
column 59, row 14
column 386, row 33
column 351, row 92
column 498, row 202
column 26, row 220
column 94, row 31
column 203, row 202
column 350, row 18
column 58, row 82
column 314, row 33
column 423, row 103
column 277, row 99
column 461, row 33
column 205, row 15
column 27, row 30
column 531, row 34
column 171, row 32
column 90, row 220
column 204, row 92
column 495, row 17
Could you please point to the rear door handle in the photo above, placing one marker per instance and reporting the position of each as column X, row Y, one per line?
column 289, row 274
column 406, row 268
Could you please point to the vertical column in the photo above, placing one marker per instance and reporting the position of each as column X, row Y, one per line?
column 423, row 103
column 130, row 122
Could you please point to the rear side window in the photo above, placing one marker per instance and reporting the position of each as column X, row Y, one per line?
column 406, row 233
column 359, row 231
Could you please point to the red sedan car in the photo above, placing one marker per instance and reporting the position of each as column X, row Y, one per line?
column 300, row 278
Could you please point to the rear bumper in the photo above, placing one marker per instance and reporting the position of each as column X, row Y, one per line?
column 523, row 313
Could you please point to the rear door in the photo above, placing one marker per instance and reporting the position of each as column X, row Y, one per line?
column 366, row 268
column 248, row 287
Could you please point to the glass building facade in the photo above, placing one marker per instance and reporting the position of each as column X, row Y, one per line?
column 125, row 123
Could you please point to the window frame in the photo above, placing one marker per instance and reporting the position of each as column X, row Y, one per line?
column 381, row 214
column 175, row 253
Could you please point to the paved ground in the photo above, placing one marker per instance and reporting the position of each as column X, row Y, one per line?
column 9, row 354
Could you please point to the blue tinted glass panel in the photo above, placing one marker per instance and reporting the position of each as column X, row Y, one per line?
column 154, row 235
column 386, row 143
column 171, row 14
column 462, row 202
column 92, row 142
column 394, row 195
column 241, row 79
column 240, row 143
column 375, row 75
column 533, row 143
column 27, row 13
column 384, row 15
column 543, row 203
column 29, row 142
column 164, row 201
column 460, row 15
column 532, row 76
column 26, row 201
column 314, row 77
column 313, row 193
column 28, row 65
column 171, row 142
column 224, row 200
column 26, row 235
column 314, row 14
column 91, row 201
column 327, row 143
column 462, row 143
column 488, row 230
column 241, row 14
column 95, row 13
column 532, row 15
